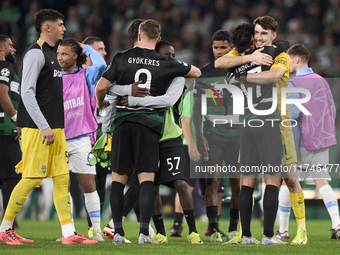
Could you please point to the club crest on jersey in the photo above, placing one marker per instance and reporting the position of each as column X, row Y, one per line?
column 57, row 73
column 43, row 169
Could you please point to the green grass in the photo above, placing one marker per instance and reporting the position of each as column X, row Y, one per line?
column 44, row 234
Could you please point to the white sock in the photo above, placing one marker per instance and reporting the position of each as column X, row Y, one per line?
column 92, row 204
column 111, row 224
column 6, row 224
column 67, row 230
column 71, row 202
column 284, row 208
column 261, row 200
column 331, row 203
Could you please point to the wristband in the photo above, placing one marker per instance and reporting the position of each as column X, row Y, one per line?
column 14, row 117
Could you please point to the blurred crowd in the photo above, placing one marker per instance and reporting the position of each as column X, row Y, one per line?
column 188, row 24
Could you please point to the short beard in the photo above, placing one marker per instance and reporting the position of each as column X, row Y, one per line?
column 10, row 58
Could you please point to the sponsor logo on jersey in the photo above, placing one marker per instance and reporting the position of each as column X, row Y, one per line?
column 282, row 60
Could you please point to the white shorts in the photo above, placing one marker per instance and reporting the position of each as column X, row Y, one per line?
column 79, row 156
column 313, row 165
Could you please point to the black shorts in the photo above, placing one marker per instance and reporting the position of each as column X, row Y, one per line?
column 261, row 149
column 172, row 166
column 224, row 149
column 10, row 156
column 134, row 149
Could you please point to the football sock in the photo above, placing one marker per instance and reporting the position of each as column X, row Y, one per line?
column 117, row 203
column 159, row 224
column 62, row 203
column 146, row 201
column 137, row 210
column 100, row 184
column 284, row 207
column 92, row 204
column 331, row 203
column 212, row 217
column 245, row 202
column 7, row 188
column 270, row 205
column 233, row 221
column 17, row 200
column 71, row 203
column 131, row 198
column 190, row 218
column 67, row 230
column 298, row 205
column 178, row 219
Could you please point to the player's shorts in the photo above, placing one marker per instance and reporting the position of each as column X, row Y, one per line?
column 313, row 165
column 40, row 160
column 79, row 156
column 223, row 148
column 261, row 149
column 189, row 167
column 135, row 147
column 172, row 165
column 289, row 153
column 10, row 155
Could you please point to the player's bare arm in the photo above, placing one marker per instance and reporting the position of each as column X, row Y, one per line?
column 202, row 143
column 266, row 77
column 193, row 73
column 101, row 91
column 192, row 148
column 5, row 100
column 257, row 58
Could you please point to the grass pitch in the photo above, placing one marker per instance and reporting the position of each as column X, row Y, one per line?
column 44, row 234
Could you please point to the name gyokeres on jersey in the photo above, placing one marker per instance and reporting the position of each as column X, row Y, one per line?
column 144, row 61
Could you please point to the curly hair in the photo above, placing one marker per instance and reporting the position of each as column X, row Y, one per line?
column 75, row 47
column 46, row 15
column 241, row 37
column 161, row 44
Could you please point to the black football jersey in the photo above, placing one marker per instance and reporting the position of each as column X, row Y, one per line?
column 156, row 73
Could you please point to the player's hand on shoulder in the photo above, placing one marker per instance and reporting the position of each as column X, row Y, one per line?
column 261, row 59
column 137, row 91
column 48, row 136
